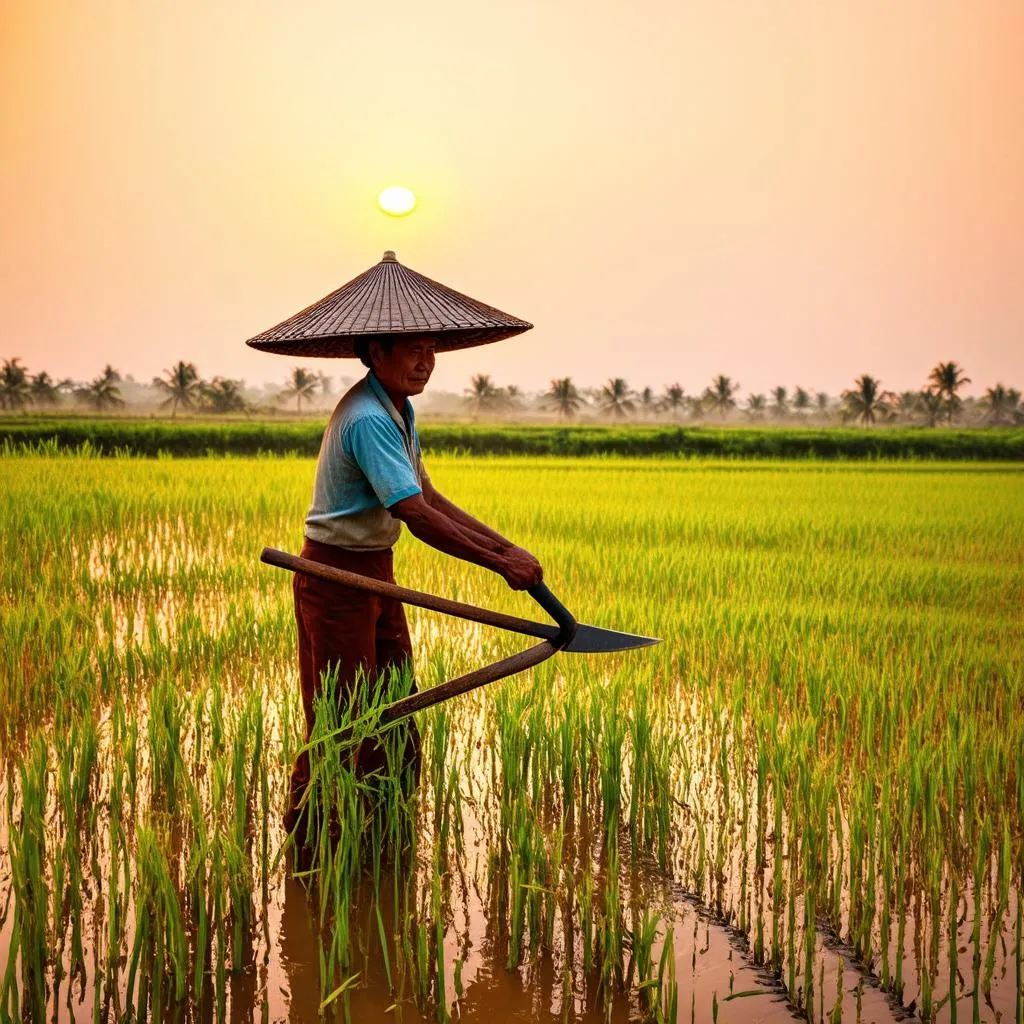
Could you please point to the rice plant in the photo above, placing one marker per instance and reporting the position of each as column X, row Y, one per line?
column 820, row 774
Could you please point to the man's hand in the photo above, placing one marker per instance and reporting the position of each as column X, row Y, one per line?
column 521, row 570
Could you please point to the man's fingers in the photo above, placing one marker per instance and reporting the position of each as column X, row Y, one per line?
column 522, row 569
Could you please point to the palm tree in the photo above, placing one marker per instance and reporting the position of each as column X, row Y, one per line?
column 674, row 399
column 483, row 395
column 103, row 392
column 564, row 397
column 947, row 379
column 325, row 383
column 908, row 404
column 721, row 395
column 755, row 407
column 801, row 400
column 780, row 402
column 1017, row 405
column 182, row 386
column 15, row 389
column 931, row 404
column 695, row 404
column 648, row 406
column 1001, row 405
column 616, row 398
column 867, row 400
column 822, row 402
column 511, row 396
column 302, row 385
column 45, row 390
column 223, row 395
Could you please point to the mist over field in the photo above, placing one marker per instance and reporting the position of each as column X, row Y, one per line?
column 942, row 399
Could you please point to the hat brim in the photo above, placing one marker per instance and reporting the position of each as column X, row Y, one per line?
column 343, row 346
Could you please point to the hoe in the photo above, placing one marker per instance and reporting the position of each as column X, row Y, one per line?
column 566, row 635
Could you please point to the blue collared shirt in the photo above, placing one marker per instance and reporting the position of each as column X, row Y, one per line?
column 369, row 460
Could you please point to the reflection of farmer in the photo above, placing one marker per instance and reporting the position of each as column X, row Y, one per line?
column 370, row 477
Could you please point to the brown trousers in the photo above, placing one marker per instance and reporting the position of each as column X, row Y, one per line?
column 350, row 628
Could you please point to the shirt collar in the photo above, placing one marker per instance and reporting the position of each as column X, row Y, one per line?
column 382, row 396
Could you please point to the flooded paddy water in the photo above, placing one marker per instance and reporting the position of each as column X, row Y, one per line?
column 808, row 802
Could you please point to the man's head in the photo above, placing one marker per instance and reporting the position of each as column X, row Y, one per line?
column 403, row 367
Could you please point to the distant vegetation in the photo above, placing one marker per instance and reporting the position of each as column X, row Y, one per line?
column 210, row 437
column 179, row 389
column 866, row 402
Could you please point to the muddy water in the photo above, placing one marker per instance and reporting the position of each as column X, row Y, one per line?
column 279, row 974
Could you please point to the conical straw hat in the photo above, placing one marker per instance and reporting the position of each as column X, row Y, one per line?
column 388, row 301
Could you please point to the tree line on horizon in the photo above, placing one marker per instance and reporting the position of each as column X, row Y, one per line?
column 181, row 387
column 867, row 402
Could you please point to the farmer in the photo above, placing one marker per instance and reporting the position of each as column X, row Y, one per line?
column 370, row 479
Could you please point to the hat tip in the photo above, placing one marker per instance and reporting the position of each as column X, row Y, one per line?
column 389, row 257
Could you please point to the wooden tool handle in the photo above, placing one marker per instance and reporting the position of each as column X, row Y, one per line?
column 554, row 636
column 284, row 560
column 463, row 684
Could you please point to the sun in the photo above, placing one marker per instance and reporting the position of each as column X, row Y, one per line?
column 396, row 200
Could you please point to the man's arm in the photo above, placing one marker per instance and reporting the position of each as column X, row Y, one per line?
column 434, row 527
column 437, row 500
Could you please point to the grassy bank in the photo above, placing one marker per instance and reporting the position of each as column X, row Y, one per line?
column 203, row 437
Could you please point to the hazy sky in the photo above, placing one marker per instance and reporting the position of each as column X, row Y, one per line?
column 785, row 191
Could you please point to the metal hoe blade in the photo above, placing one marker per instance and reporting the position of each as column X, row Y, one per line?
column 595, row 640
column 583, row 639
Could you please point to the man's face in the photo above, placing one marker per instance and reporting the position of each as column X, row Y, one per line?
column 405, row 368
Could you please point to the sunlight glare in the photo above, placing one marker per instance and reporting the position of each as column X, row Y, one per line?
column 396, row 200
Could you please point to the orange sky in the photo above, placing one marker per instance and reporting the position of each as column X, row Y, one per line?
column 785, row 191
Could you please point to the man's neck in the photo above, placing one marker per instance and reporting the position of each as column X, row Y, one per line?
column 398, row 398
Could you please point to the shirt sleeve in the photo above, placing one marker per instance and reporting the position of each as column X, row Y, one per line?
column 377, row 447
column 420, row 468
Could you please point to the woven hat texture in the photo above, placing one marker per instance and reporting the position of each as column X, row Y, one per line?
column 388, row 301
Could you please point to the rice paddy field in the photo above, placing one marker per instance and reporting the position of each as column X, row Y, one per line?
column 807, row 802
